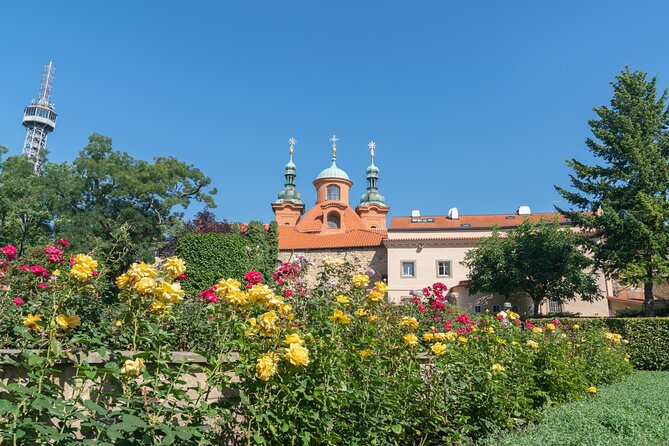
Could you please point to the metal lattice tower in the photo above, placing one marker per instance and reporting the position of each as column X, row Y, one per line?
column 39, row 118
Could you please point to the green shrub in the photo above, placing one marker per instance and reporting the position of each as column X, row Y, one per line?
column 648, row 338
column 213, row 255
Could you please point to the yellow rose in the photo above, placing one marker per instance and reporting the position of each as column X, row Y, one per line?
column 374, row 297
column 170, row 292
column 428, row 337
column 537, row 330
column 410, row 339
column 360, row 280
column 123, row 281
column 267, row 322
column 575, row 326
column 146, row 286
column 372, row 318
column 137, row 271
column 118, row 323
column 462, row 339
column 85, row 260
column 497, row 367
column 532, row 344
column 32, row 321
column 267, row 366
column 381, row 287
column 409, row 322
column 175, row 266
column 339, row 316
column 68, row 321
column 225, row 287
column 361, row 312
column 297, row 355
column 236, row 298
column 285, row 309
column 592, row 389
column 260, row 293
column 253, row 327
column 365, row 353
column 293, row 338
column 550, row 326
column 441, row 336
column 438, row 348
column 131, row 367
column 342, row 299
column 81, row 272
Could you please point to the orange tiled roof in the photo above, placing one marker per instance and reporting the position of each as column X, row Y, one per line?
column 312, row 221
column 291, row 238
column 468, row 221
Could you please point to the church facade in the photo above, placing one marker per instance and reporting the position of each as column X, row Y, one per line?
column 332, row 228
column 410, row 254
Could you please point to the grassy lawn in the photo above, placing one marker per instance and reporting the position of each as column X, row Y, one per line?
column 632, row 412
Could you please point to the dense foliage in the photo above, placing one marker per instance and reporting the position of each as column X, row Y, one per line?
column 630, row 412
column 104, row 201
column 648, row 348
column 212, row 255
column 542, row 261
column 330, row 364
column 625, row 193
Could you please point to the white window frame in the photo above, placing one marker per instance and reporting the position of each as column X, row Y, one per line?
column 552, row 303
column 450, row 268
column 402, row 262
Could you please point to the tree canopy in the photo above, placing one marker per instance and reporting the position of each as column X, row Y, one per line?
column 624, row 193
column 541, row 261
column 104, row 201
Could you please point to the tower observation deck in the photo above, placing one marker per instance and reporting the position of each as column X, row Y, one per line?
column 39, row 118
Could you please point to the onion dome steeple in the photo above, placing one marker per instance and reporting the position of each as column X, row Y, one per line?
column 372, row 196
column 289, row 193
column 333, row 171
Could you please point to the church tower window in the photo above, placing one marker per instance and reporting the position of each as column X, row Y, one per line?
column 334, row 221
column 332, row 192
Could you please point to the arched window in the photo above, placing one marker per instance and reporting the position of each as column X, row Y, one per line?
column 332, row 192
column 333, row 220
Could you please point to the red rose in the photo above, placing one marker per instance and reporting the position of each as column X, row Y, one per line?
column 9, row 251
column 64, row 243
column 289, row 293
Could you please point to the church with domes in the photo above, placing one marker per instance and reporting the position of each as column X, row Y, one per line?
column 332, row 225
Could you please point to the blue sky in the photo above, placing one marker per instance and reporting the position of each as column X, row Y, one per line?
column 472, row 104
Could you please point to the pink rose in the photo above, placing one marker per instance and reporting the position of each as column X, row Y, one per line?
column 18, row 301
column 9, row 251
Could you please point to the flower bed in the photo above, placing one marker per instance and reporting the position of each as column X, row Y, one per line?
column 328, row 365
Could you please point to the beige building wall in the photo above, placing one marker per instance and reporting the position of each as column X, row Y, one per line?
column 426, row 249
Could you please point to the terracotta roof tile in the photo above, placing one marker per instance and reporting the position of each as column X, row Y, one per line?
column 312, row 221
column 291, row 238
column 467, row 222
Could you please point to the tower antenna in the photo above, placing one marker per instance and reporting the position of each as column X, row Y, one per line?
column 39, row 119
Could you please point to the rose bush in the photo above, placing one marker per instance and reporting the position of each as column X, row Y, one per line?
column 332, row 364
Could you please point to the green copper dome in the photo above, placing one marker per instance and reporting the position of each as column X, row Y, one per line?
column 333, row 172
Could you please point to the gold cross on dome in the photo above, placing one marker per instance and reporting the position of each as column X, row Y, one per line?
column 334, row 140
column 372, row 146
column 292, row 141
